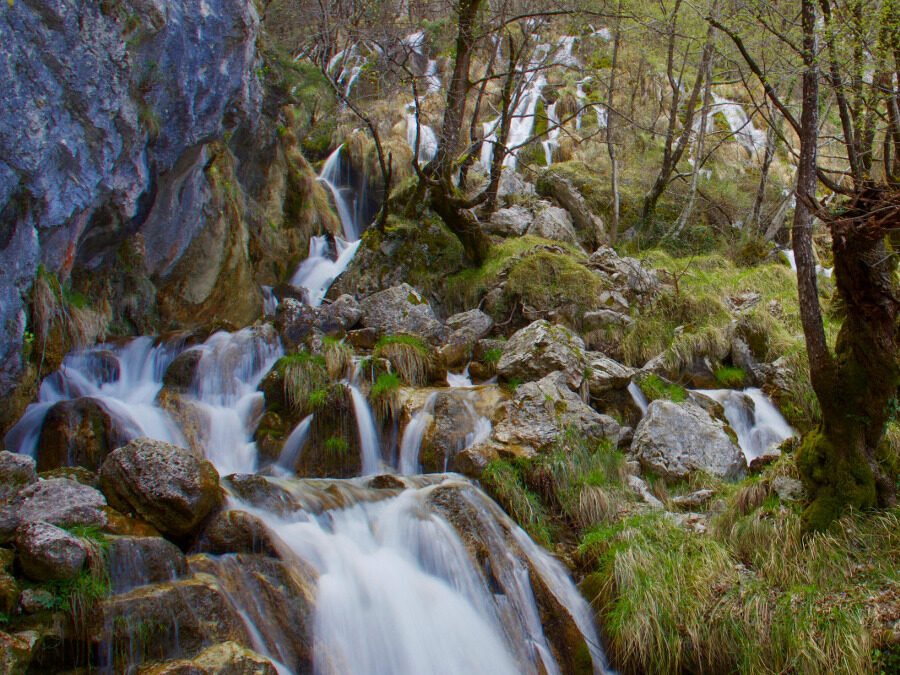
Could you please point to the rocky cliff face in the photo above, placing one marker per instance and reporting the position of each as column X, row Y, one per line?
column 137, row 164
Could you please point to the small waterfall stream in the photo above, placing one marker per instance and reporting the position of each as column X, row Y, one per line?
column 757, row 422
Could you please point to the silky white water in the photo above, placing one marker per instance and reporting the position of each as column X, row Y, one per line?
column 637, row 395
column 411, row 443
column 398, row 592
column 293, row 446
column 757, row 422
column 123, row 379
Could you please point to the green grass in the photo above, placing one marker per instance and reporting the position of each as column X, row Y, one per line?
column 492, row 355
column 655, row 387
column 384, row 396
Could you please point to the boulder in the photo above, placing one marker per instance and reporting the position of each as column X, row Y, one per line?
column 78, row 432
column 401, row 309
column 788, row 489
column 604, row 318
column 294, row 320
column 237, row 532
column 36, row 600
column 171, row 488
column 471, row 326
column 261, row 493
column 511, row 222
column 138, row 561
column 542, row 348
column 628, row 274
column 642, row 490
column 341, row 315
column 49, row 553
column 693, row 500
column 541, row 411
column 58, row 501
column 226, row 658
column 606, row 374
column 552, row 222
column 588, row 225
column 673, row 440
column 9, row 592
column 179, row 376
column 16, row 472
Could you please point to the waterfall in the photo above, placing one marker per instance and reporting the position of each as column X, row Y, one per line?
column 757, row 422
column 398, row 591
column 411, row 443
column 459, row 379
column 293, row 446
column 637, row 395
column 225, row 389
column 318, row 271
column 739, row 123
column 428, row 142
column 551, row 143
column 369, row 447
column 523, row 116
column 124, row 380
column 333, row 178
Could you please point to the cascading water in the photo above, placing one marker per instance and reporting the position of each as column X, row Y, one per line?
column 757, row 422
column 637, row 395
column 459, row 379
column 293, row 446
column 411, row 443
column 369, row 446
column 319, row 270
column 397, row 590
column 124, row 380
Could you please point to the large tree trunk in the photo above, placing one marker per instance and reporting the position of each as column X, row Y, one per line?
column 839, row 461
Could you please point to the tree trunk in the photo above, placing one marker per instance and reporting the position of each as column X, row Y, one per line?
column 458, row 89
column 610, row 124
column 839, row 461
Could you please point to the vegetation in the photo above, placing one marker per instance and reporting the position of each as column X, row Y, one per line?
column 409, row 357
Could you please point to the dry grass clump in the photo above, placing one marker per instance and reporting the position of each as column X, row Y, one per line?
column 338, row 357
column 409, row 357
column 303, row 375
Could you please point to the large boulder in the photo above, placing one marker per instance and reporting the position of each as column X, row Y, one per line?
column 58, row 501
column 294, row 320
column 628, row 274
column 401, row 309
column 606, row 374
column 171, row 488
column 541, row 411
column 511, row 222
column 78, row 432
column 17, row 650
column 674, row 440
column 340, row 315
column 471, row 326
column 16, row 472
column 168, row 620
column 49, row 553
column 542, row 348
column 552, row 222
column 588, row 225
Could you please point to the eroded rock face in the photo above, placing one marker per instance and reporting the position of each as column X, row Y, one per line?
column 79, row 432
column 16, row 472
column 470, row 326
column 542, row 348
column 673, row 440
column 69, row 180
column 540, row 411
column 48, row 553
column 58, row 501
column 170, row 487
column 401, row 309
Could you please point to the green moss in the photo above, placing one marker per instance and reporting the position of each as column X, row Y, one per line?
column 730, row 377
column 492, row 355
column 836, row 478
column 547, row 280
